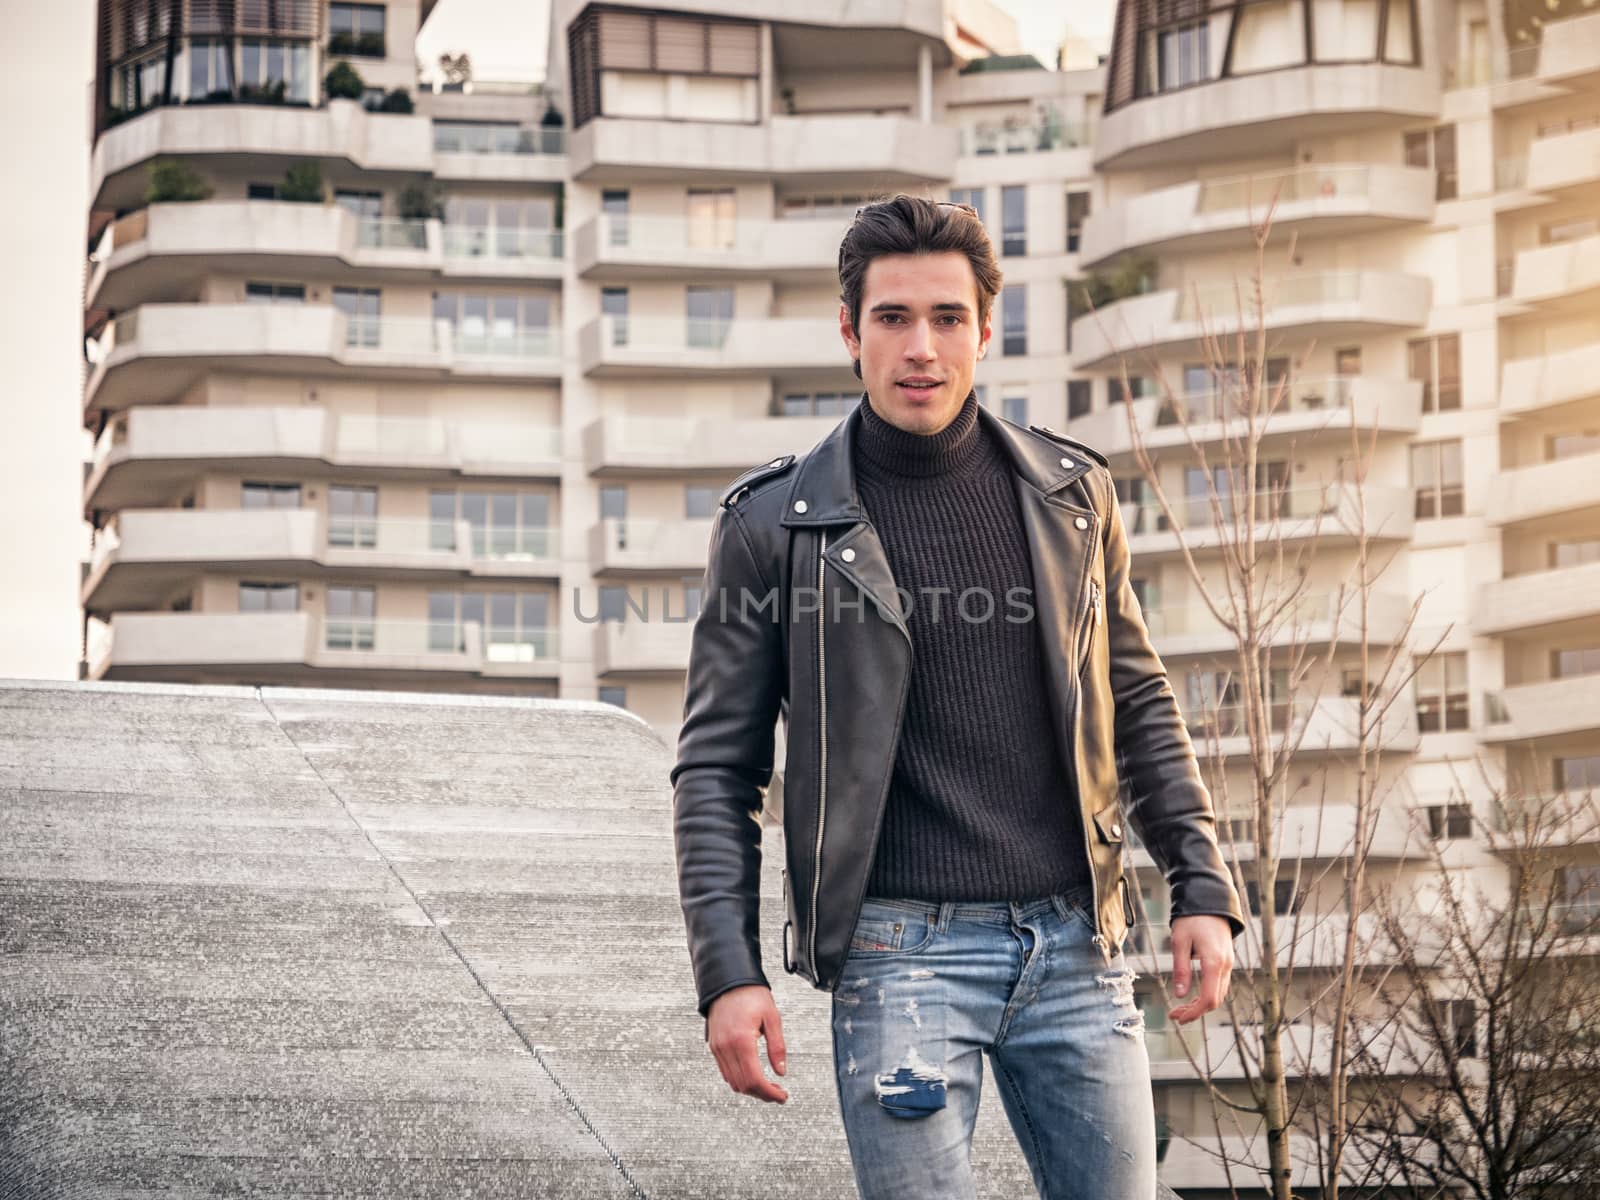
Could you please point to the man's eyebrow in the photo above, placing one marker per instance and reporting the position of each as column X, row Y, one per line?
column 942, row 306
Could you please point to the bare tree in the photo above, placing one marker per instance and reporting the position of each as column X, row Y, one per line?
column 1248, row 539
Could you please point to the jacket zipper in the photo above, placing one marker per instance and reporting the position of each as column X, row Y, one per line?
column 822, row 740
column 1093, row 615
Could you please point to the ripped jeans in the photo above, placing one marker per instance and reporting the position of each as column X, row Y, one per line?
column 928, row 988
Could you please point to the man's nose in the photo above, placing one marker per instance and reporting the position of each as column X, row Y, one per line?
column 920, row 344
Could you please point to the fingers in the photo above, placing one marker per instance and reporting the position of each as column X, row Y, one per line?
column 1182, row 951
column 1216, row 969
column 740, row 1064
column 772, row 1030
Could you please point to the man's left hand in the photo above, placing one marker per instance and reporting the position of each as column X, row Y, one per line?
column 1210, row 939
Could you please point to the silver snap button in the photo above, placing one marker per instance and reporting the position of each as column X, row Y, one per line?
column 1066, row 462
column 775, row 462
column 1081, row 522
column 1116, row 830
column 848, row 555
column 799, row 506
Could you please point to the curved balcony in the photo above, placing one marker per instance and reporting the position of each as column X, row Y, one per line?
column 1565, row 164
column 1329, row 514
column 494, row 153
column 1324, row 304
column 611, row 247
column 343, row 132
column 291, row 646
column 1316, row 619
column 1537, row 600
column 673, row 446
column 1325, row 199
column 1311, row 406
column 1563, row 277
column 1266, row 113
column 1565, row 62
column 1543, row 490
column 630, row 545
column 657, row 646
column 894, row 151
column 630, row 347
column 1548, row 708
column 145, row 454
column 142, row 553
column 157, row 351
column 1323, row 725
column 1549, row 380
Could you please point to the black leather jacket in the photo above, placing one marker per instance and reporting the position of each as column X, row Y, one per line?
column 799, row 616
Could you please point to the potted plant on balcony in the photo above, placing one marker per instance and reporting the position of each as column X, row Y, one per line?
column 343, row 82
column 173, row 180
column 397, row 100
column 302, row 183
column 421, row 201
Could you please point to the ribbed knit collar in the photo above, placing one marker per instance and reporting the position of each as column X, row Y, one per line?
column 886, row 449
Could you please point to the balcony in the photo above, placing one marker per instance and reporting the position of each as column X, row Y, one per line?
column 1544, row 709
column 1262, row 114
column 657, row 646
column 1565, row 62
column 1311, row 834
column 1326, row 513
column 672, row 446
column 282, row 646
column 142, row 553
column 1545, row 489
column 893, row 151
column 1565, row 164
column 341, row 133
column 1310, row 406
column 627, row 248
column 157, row 351
column 1330, row 725
column 1558, row 818
column 1197, row 1164
column 472, row 252
column 1327, row 200
column 1323, row 304
column 1563, row 277
column 627, row 347
column 630, row 545
column 1547, row 380
column 145, row 454
column 470, row 152
column 1317, row 618
column 1537, row 599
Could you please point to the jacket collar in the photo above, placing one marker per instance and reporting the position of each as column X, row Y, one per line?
column 825, row 482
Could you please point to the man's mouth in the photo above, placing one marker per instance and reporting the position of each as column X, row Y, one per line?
column 919, row 385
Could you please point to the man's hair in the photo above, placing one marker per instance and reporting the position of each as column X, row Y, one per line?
column 906, row 224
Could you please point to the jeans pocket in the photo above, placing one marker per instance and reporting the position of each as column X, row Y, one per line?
column 882, row 930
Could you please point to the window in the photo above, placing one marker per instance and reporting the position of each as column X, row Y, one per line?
column 614, row 307
column 1436, row 478
column 269, row 597
column 269, row 495
column 1577, row 773
column 352, row 516
column 614, row 208
column 1574, row 552
column 1435, row 148
column 1077, row 213
column 1214, row 703
column 1568, row 229
column 1286, row 900
column 711, row 218
column 1014, row 409
column 622, row 60
column 1078, row 393
column 1347, row 360
column 360, row 307
column 1436, row 362
column 274, row 293
column 1449, row 821
column 1564, row 664
column 348, row 623
column 505, row 525
column 612, row 694
column 613, row 501
column 1441, row 683
column 1141, row 511
column 489, row 325
column 356, row 29
column 699, row 501
column 1271, row 492
column 496, row 137
column 710, row 313
column 210, row 70
column 817, row 404
column 821, row 208
column 362, row 204
column 514, row 626
column 261, row 191
column 274, row 68
column 1013, row 220
column 1571, row 445
column 1014, row 319
column 1461, row 1019
column 691, row 600
column 972, row 196
column 1577, row 898
column 1174, row 57
column 475, row 226
column 613, row 602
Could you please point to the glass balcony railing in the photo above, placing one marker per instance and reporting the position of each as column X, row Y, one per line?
column 1300, row 395
column 378, row 234
column 463, row 639
column 1269, row 503
column 470, row 137
column 524, row 342
column 470, row 241
column 422, row 536
column 1284, row 291
column 1240, row 192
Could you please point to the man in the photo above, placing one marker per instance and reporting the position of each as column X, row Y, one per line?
column 938, row 603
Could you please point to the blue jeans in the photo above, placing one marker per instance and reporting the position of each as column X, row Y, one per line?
column 928, row 986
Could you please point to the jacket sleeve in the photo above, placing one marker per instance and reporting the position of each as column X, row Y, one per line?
column 1169, row 803
column 732, row 693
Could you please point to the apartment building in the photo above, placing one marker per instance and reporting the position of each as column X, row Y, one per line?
column 414, row 388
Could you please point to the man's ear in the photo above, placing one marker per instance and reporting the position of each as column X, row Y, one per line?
column 984, row 334
column 852, row 343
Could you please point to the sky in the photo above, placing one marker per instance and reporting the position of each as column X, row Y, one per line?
column 44, row 90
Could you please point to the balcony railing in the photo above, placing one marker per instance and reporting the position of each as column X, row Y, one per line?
column 469, row 241
column 376, row 233
column 1291, row 503
column 401, row 535
column 468, row 138
column 526, row 342
column 1300, row 395
column 1025, row 137
column 1283, row 291
column 452, row 638
column 1238, row 192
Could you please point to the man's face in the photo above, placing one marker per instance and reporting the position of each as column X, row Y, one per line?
column 920, row 339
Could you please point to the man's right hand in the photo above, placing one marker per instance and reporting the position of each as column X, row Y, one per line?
column 735, row 1021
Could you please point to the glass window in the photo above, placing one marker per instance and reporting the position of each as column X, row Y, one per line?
column 1436, row 363
column 971, row 196
column 612, row 694
column 209, row 72
column 614, row 304
column 699, row 501
column 1584, row 660
column 360, row 307
column 711, row 218
column 1176, row 57
column 1014, row 319
column 613, row 501
column 356, row 29
column 274, row 293
column 1078, row 393
column 1014, row 220
column 352, row 516
column 614, row 207
column 269, row 597
column 1436, row 477
column 261, row 191
column 1014, row 409
column 613, row 602
column 1077, row 213
column 1441, row 690
column 1571, row 445
column 710, row 312
column 1575, row 552
column 362, row 204
column 1578, row 773
column 348, row 623
column 269, row 495
column 1449, row 821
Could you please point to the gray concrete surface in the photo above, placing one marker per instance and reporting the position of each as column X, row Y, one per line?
column 305, row 942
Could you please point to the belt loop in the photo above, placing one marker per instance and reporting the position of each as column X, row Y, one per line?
column 1061, row 905
column 947, row 909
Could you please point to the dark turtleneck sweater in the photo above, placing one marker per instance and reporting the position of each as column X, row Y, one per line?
column 979, row 807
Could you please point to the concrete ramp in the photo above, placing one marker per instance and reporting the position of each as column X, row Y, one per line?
column 306, row 942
